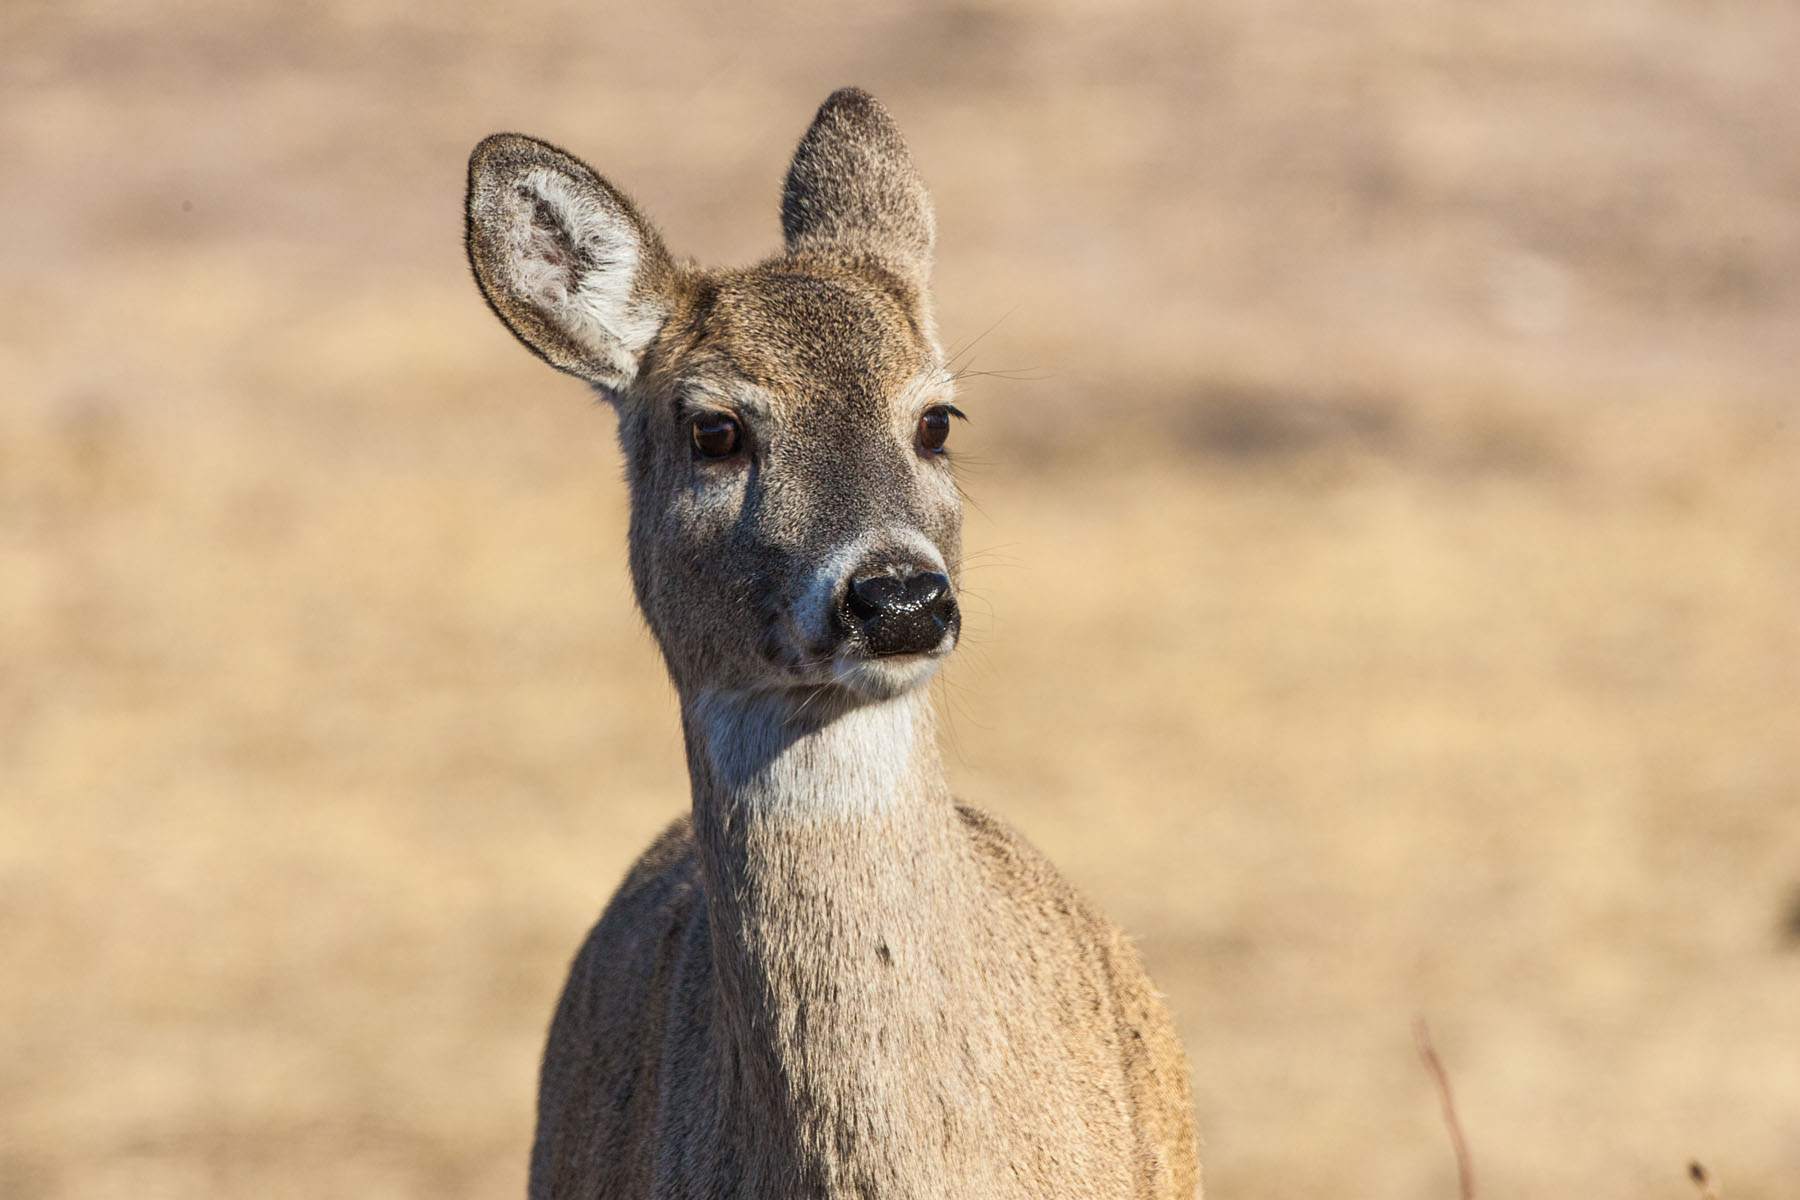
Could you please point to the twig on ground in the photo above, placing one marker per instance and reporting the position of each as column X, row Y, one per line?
column 1465, row 1169
column 1703, row 1181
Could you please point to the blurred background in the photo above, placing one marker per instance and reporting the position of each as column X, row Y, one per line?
column 1385, row 574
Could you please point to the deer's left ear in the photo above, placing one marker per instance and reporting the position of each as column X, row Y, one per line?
column 852, row 190
column 565, row 260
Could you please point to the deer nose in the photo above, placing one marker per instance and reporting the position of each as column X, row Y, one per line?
column 901, row 611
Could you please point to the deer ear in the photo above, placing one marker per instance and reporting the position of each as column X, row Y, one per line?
column 565, row 260
column 852, row 189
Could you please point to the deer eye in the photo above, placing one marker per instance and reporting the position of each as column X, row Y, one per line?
column 934, row 427
column 715, row 436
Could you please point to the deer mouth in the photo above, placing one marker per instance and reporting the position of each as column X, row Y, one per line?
column 886, row 676
column 849, row 659
column 876, row 616
column 893, row 628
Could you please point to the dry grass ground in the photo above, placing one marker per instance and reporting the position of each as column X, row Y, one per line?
column 1387, row 574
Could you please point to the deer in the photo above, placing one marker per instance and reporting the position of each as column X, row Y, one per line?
column 830, row 979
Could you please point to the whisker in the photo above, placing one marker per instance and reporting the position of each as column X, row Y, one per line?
column 966, row 348
column 817, row 691
column 1010, row 374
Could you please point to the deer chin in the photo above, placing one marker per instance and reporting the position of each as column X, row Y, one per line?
column 888, row 676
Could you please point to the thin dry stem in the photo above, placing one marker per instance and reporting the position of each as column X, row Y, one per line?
column 1465, row 1168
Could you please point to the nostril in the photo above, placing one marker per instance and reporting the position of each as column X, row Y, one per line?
column 873, row 595
column 942, row 604
column 927, row 591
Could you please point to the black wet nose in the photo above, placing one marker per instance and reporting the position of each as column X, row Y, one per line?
column 901, row 612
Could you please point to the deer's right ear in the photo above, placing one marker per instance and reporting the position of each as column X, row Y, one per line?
column 565, row 260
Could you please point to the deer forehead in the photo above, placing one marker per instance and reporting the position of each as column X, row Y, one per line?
column 811, row 346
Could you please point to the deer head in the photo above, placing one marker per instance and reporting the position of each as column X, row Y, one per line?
column 795, row 526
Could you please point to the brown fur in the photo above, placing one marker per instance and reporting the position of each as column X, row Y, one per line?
column 832, row 980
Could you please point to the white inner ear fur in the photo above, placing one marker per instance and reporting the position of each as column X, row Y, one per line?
column 581, row 274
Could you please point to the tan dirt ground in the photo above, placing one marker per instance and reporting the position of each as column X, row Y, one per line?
column 1386, row 579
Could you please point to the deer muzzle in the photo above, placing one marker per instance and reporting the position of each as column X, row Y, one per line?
column 895, row 610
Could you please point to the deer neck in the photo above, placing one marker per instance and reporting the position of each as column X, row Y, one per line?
column 839, row 894
column 819, row 817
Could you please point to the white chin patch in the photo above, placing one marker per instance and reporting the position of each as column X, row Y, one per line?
column 885, row 678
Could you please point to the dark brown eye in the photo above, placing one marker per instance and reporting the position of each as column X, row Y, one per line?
column 934, row 427
column 715, row 436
